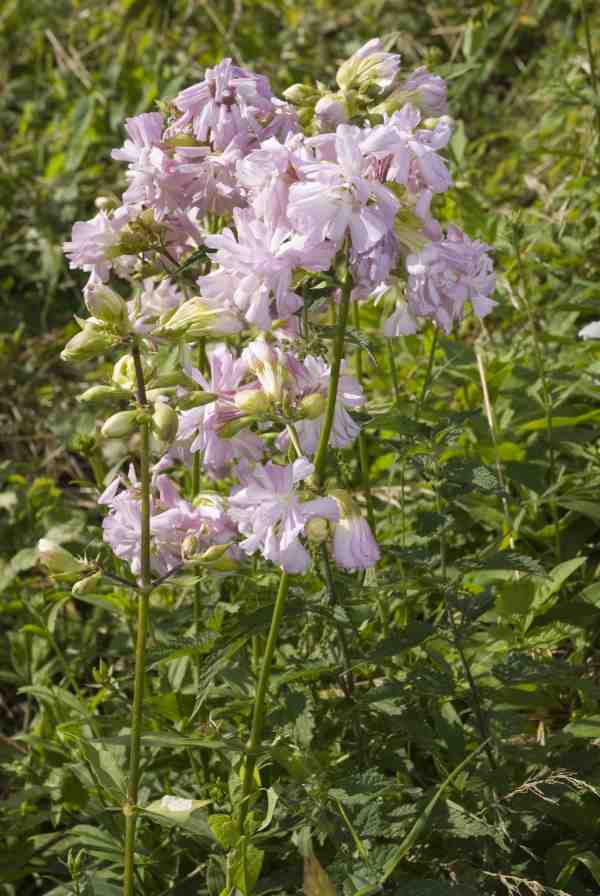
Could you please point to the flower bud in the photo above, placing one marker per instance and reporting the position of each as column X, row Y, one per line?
column 104, row 393
column 165, row 421
column 87, row 585
column 120, row 425
column 317, row 529
column 106, row 203
column 330, row 111
column 251, row 401
column 124, row 372
column 189, row 547
column 194, row 319
column 313, row 405
column 196, row 399
column 300, row 94
column 57, row 560
column 369, row 65
column 233, row 427
column 105, row 304
column 90, row 342
column 216, row 557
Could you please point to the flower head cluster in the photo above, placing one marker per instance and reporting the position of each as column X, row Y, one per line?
column 243, row 216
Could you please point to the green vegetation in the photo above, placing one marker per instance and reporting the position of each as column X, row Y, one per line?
column 464, row 758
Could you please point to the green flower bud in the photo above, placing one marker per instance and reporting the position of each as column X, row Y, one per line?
column 251, row 401
column 193, row 320
column 105, row 304
column 57, row 560
column 317, row 530
column 230, row 429
column 86, row 585
column 313, row 405
column 165, row 421
column 189, row 547
column 301, row 94
column 196, row 399
column 90, row 342
column 120, row 425
column 216, row 557
column 104, row 393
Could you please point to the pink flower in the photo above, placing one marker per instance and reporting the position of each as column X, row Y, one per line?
column 430, row 90
column 91, row 241
column 199, row 427
column 337, row 198
column 411, row 151
column 446, row 274
column 353, row 544
column 158, row 295
column 270, row 513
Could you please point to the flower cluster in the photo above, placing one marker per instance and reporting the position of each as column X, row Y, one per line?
column 247, row 218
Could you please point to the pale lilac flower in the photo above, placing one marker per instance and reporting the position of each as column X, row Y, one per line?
column 267, row 174
column 431, row 91
column 400, row 323
column 337, row 198
column 199, row 427
column 309, row 382
column 271, row 514
column 411, row 152
column 155, row 179
column 256, row 268
column 446, row 274
column 91, row 242
column 158, row 295
column 172, row 520
column 230, row 102
column 353, row 544
column 330, row 111
column 370, row 270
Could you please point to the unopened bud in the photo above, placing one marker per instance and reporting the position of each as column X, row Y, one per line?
column 120, row 425
column 87, row 585
column 216, row 557
column 189, row 547
column 57, row 560
column 317, row 529
column 232, row 427
column 124, row 372
column 106, row 203
column 105, row 304
column 251, row 401
column 313, row 405
column 104, row 393
column 165, row 421
column 300, row 94
column 194, row 319
column 330, row 111
column 90, row 342
column 196, row 399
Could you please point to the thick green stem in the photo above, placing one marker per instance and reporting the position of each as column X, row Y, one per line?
column 428, row 375
column 130, row 807
column 338, row 353
column 258, row 715
column 363, row 448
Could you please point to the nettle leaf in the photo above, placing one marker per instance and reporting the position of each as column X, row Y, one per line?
column 185, row 813
column 462, row 476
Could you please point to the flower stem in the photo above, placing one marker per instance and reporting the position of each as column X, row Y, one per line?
column 363, row 448
column 258, row 715
column 338, row 352
column 428, row 374
column 130, row 807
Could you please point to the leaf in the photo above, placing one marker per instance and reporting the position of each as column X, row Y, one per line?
column 224, row 829
column 588, row 727
column 184, row 813
column 316, row 879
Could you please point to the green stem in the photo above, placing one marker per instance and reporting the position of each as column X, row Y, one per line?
column 363, row 448
column 428, row 373
column 258, row 715
column 130, row 807
column 393, row 372
column 338, row 352
column 546, row 397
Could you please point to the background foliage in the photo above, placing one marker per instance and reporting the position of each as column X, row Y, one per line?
column 482, row 623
